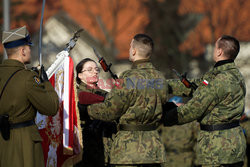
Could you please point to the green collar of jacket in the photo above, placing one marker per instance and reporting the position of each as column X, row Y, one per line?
column 224, row 67
column 12, row 62
column 222, row 62
column 84, row 87
column 144, row 63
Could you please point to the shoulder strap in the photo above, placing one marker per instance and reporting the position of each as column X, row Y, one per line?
column 8, row 81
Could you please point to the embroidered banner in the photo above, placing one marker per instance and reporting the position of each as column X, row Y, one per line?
column 61, row 134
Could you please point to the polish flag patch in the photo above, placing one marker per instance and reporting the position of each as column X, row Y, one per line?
column 205, row 82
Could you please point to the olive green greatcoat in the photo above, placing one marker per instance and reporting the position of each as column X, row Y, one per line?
column 21, row 99
column 137, row 101
column 221, row 101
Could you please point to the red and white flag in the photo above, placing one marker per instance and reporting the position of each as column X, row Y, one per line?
column 205, row 82
column 61, row 136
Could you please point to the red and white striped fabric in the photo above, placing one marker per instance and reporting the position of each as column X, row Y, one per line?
column 205, row 82
column 60, row 133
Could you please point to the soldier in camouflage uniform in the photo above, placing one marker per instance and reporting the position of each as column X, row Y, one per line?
column 97, row 135
column 245, row 124
column 137, row 105
column 179, row 141
column 217, row 104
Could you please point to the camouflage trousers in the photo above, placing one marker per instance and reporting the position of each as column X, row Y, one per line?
column 238, row 164
column 138, row 165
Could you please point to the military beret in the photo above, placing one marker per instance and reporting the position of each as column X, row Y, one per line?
column 16, row 37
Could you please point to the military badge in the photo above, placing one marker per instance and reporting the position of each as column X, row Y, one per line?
column 205, row 82
column 38, row 81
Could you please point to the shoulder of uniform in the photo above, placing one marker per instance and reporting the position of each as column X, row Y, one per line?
column 127, row 73
column 224, row 75
column 160, row 74
column 29, row 72
column 222, row 80
column 31, row 76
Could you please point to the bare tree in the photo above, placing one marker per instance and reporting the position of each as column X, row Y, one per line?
column 219, row 17
column 112, row 22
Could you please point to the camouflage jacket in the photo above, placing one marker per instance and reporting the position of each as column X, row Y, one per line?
column 246, row 126
column 137, row 101
column 180, row 138
column 220, row 98
column 179, row 142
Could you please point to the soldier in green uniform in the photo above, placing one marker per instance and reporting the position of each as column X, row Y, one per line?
column 137, row 105
column 217, row 104
column 23, row 93
column 97, row 135
column 245, row 124
column 179, row 141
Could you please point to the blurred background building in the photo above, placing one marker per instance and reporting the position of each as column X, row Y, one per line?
column 184, row 31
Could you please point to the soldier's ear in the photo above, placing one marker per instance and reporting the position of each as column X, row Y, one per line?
column 219, row 52
column 22, row 54
column 21, row 50
column 134, row 51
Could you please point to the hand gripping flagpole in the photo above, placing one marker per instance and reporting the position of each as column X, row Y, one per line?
column 40, row 35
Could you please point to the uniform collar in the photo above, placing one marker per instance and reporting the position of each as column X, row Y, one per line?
column 143, row 63
column 13, row 62
column 83, row 86
column 222, row 62
column 224, row 65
